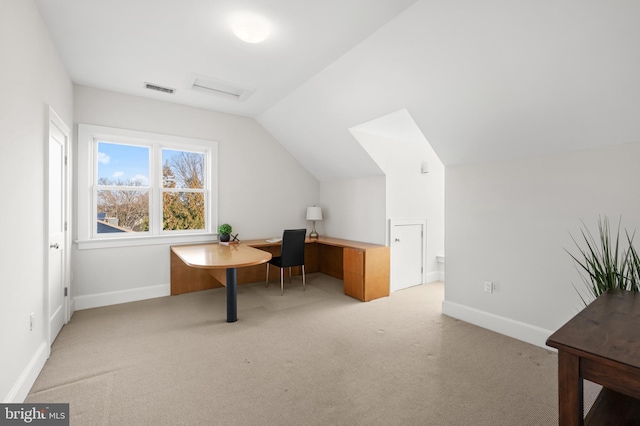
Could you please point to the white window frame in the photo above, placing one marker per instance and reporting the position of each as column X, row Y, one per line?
column 88, row 137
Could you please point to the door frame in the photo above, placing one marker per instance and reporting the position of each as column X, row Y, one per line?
column 399, row 222
column 54, row 120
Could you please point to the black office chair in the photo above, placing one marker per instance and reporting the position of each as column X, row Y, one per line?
column 291, row 254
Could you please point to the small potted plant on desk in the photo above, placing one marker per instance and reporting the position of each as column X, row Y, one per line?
column 224, row 233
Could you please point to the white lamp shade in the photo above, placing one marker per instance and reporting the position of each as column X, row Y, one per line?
column 314, row 213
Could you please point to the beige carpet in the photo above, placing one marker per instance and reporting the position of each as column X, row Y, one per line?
column 306, row 358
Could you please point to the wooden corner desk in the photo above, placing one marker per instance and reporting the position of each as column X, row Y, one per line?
column 363, row 267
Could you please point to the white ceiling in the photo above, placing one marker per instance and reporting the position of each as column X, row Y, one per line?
column 483, row 80
column 121, row 44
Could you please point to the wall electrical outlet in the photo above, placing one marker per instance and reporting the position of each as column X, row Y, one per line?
column 489, row 287
column 33, row 314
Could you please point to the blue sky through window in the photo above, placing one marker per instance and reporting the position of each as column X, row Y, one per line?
column 123, row 162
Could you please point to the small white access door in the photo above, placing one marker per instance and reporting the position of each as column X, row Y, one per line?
column 58, row 217
column 407, row 252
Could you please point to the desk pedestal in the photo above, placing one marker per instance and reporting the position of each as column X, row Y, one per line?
column 232, row 296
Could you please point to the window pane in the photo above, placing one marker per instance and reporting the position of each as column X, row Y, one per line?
column 123, row 165
column 123, row 211
column 182, row 210
column 182, row 169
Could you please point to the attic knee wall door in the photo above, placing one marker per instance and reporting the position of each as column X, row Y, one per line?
column 407, row 253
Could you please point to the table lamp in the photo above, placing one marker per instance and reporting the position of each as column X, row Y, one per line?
column 314, row 213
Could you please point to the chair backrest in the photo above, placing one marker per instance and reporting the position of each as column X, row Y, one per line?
column 292, row 252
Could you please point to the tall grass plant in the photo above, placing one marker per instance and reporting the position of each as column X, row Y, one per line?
column 605, row 262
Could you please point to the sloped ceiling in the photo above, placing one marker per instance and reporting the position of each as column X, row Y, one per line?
column 121, row 44
column 484, row 81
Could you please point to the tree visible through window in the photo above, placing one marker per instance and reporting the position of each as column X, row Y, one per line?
column 183, row 195
column 123, row 189
column 140, row 188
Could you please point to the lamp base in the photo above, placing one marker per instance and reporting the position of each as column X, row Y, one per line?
column 313, row 233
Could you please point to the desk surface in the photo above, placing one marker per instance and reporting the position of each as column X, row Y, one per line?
column 220, row 256
column 336, row 242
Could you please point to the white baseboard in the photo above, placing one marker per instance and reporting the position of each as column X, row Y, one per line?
column 434, row 276
column 516, row 329
column 123, row 296
column 21, row 388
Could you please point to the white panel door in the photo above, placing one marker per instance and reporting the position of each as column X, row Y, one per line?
column 57, row 219
column 407, row 254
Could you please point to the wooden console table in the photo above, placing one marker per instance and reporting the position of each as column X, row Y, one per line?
column 363, row 267
column 601, row 344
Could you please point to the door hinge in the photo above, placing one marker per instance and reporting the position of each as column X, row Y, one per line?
column 66, row 291
column 65, row 226
column 66, row 160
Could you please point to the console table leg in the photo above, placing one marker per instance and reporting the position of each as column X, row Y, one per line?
column 232, row 296
column 570, row 390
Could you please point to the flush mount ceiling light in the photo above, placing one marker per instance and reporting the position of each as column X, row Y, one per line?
column 250, row 27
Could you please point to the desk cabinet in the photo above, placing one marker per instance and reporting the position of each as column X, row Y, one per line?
column 366, row 273
column 354, row 273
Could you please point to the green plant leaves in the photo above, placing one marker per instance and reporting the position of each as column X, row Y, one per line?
column 604, row 264
column 225, row 228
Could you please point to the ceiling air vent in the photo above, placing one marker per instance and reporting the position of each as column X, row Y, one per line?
column 219, row 88
column 157, row 88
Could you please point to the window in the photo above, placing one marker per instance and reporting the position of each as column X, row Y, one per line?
column 122, row 188
column 183, row 190
column 142, row 188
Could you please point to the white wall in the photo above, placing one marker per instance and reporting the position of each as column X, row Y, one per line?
column 510, row 222
column 31, row 78
column 354, row 209
column 262, row 189
column 409, row 193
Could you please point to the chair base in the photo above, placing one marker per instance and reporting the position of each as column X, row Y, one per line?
column 304, row 281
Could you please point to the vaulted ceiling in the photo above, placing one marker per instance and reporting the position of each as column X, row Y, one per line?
column 483, row 80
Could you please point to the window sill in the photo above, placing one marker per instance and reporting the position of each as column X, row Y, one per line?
column 145, row 241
